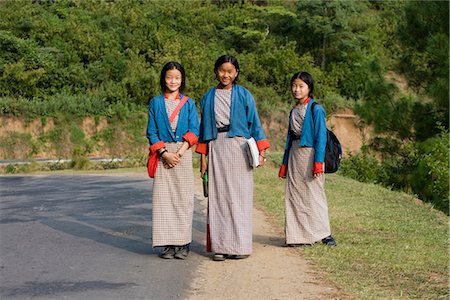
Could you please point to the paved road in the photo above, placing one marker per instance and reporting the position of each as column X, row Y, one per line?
column 86, row 237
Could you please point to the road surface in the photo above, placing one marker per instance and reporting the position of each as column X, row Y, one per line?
column 89, row 237
column 86, row 237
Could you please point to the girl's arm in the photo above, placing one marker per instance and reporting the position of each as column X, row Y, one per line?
column 320, row 139
column 152, row 129
column 202, row 146
column 283, row 168
column 191, row 136
column 183, row 149
column 255, row 127
column 203, row 165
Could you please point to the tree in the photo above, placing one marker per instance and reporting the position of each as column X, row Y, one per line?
column 425, row 60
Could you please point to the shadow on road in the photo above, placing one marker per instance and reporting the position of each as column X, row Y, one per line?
column 111, row 210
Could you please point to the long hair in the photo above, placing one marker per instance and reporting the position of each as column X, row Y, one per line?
column 170, row 66
column 306, row 78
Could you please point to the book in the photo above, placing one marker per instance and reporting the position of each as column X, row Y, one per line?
column 253, row 152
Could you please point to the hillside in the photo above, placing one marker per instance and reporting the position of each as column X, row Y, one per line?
column 78, row 65
column 101, row 137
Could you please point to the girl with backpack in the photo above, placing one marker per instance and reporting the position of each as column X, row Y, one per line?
column 172, row 129
column 306, row 206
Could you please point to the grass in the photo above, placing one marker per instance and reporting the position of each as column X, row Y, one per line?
column 390, row 245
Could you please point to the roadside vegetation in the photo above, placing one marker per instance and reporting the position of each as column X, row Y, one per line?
column 62, row 61
column 391, row 245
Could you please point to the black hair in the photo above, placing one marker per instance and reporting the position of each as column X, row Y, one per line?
column 227, row 59
column 170, row 66
column 306, row 78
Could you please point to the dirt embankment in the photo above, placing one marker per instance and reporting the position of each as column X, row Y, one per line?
column 39, row 139
column 345, row 124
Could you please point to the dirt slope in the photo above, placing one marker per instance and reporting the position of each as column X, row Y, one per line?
column 18, row 139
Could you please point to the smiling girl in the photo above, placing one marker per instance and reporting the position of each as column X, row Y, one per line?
column 303, row 167
column 229, row 117
column 173, row 185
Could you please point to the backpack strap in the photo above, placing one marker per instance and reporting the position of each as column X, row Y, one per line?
column 312, row 109
column 178, row 108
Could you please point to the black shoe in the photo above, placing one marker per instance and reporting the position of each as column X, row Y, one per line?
column 182, row 252
column 297, row 245
column 238, row 256
column 168, row 252
column 219, row 257
column 329, row 241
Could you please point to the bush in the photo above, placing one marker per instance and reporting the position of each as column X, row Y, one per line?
column 362, row 167
column 422, row 169
column 430, row 180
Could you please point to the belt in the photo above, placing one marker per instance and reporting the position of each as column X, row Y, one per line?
column 225, row 128
column 294, row 136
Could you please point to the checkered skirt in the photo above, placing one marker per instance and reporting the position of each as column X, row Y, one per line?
column 173, row 201
column 305, row 201
column 230, row 200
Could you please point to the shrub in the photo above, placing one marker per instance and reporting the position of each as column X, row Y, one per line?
column 430, row 180
column 362, row 167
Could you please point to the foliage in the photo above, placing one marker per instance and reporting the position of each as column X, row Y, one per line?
column 362, row 167
column 15, row 141
column 425, row 39
column 420, row 169
column 430, row 179
column 96, row 54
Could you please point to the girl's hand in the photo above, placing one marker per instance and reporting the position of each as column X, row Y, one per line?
column 203, row 165
column 318, row 168
column 170, row 159
column 262, row 158
column 183, row 148
column 316, row 175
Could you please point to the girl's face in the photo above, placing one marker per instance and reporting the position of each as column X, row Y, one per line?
column 173, row 80
column 226, row 74
column 300, row 90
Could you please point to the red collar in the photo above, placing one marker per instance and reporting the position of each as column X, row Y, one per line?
column 177, row 97
column 306, row 100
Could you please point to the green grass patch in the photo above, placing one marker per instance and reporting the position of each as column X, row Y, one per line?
column 390, row 245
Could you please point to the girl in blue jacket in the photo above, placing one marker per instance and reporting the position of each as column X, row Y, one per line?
column 173, row 185
column 228, row 119
column 306, row 207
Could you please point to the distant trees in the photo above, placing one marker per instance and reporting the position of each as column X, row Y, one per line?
column 425, row 61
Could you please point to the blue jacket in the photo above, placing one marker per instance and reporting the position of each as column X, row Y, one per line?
column 159, row 130
column 314, row 133
column 244, row 119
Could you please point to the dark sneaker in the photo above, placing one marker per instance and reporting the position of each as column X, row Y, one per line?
column 219, row 257
column 182, row 252
column 297, row 245
column 168, row 252
column 329, row 240
column 238, row 256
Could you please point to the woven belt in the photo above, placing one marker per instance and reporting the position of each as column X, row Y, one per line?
column 224, row 128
